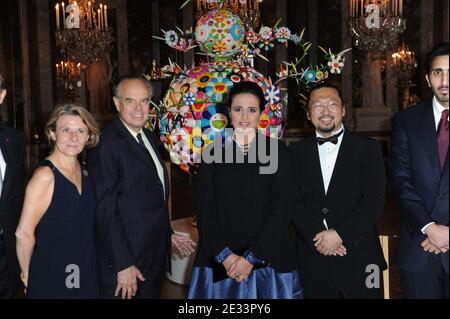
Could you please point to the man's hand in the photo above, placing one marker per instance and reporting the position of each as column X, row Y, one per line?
column 438, row 236
column 240, row 269
column 341, row 251
column 127, row 282
column 429, row 247
column 184, row 245
column 327, row 242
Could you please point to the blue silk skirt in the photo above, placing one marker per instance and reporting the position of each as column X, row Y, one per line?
column 263, row 283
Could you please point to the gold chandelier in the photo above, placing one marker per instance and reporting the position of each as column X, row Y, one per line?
column 376, row 24
column 82, row 31
column 68, row 75
column 404, row 62
column 247, row 10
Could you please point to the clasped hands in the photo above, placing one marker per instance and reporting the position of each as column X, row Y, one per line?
column 184, row 245
column 437, row 239
column 237, row 267
column 329, row 243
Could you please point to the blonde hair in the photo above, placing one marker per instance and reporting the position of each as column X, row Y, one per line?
column 75, row 110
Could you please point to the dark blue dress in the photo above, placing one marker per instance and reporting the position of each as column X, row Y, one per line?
column 63, row 264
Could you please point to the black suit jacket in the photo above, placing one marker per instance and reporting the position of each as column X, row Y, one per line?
column 132, row 219
column 355, row 199
column 421, row 187
column 12, row 148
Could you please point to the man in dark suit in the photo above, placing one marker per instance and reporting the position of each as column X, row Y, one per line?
column 419, row 167
column 132, row 189
column 11, row 198
column 341, row 182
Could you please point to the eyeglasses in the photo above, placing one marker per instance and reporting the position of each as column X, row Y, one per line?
column 319, row 107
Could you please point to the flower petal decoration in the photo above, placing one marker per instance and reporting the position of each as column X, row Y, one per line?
column 272, row 94
column 171, row 38
column 282, row 34
column 266, row 33
column 310, row 76
column 189, row 98
column 336, row 64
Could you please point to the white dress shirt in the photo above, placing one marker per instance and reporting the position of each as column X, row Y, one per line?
column 437, row 111
column 2, row 171
column 328, row 153
column 152, row 152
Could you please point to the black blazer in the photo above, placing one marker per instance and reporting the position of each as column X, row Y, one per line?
column 421, row 187
column 12, row 148
column 132, row 219
column 354, row 200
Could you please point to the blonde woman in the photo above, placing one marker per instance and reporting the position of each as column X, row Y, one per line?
column 55, row 236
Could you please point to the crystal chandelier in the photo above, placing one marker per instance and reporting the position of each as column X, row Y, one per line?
column 82, row 31
column 376, row 24
column 247, row 10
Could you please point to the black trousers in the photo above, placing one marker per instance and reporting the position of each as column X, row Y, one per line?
column 430, row 283
column 5, row 283
column 315, row 287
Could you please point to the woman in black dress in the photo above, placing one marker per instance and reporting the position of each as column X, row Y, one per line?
column 55, row 236
column 245, row 245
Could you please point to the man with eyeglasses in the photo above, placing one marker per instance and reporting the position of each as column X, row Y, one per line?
column 11, row 198
column 132, row 189
column 341, row 192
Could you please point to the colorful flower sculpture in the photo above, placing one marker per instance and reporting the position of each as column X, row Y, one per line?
column 193, row 114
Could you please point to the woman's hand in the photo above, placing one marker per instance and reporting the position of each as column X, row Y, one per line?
column 240, row 270
column 184, row 245
column 24, row 279
column 230, row 260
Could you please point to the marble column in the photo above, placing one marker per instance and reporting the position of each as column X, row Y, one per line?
column 426, row 42
column 373, row 115
column 45, row 65
column 313, row 30
column 27, row 116
column 346, row 76
column 372, row 83
column 122, row 37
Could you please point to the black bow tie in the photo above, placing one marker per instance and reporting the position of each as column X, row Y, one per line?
column 332, row 139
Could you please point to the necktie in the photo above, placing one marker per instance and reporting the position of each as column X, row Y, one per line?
column 443, row 138
column 159, row 171
column 144, row 148
column 332, row 139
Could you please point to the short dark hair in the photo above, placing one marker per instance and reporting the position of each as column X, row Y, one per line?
column 128, row 77
column 438, row 50
column 326, row 85
column 250, row 88
column 1, row 82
